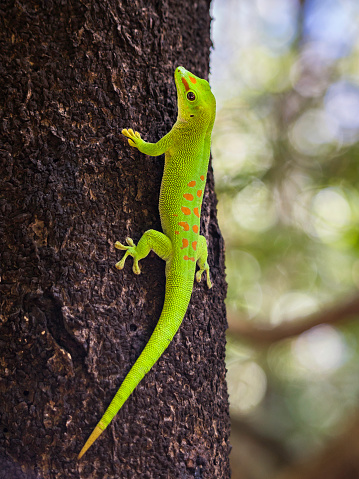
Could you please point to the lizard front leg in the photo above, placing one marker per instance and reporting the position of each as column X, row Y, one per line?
column 150, row 240
column 151, row 149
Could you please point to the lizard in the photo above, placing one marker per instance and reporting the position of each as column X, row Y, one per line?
column 187, row 152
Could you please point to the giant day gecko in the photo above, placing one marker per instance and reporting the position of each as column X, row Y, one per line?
column 187, row 150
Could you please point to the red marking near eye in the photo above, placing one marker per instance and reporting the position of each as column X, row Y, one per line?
column 188, row 196
column 194, row 245
column 184, row 243
column 184, row 225
column 193, row 80
column 192, row 183
column 196, row 212
column 190, row 258
column 176, row 232
column 186, row 86
column 199, row 193
column 195, row 228
column 202, row 177
column 185, row 210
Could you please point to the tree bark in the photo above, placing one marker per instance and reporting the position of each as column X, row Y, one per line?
column 73, row 74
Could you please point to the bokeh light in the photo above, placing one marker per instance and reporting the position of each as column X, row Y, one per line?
column 320, row 350
column 286, row 160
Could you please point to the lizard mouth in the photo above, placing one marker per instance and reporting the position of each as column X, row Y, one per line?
column 180, row 78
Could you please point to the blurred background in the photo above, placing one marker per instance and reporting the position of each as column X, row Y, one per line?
column 286, row 158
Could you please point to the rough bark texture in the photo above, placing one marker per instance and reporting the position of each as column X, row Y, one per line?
column 73, row 73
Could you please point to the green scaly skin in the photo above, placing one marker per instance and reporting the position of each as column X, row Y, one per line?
column 187, row 150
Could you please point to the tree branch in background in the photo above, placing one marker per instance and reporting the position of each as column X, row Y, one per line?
column 246, row 330
column 257, row 455
column 338, row 460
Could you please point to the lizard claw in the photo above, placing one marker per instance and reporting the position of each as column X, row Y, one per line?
column 127, row 133
column 130, row 251
column 199, row 277
column 119, row 245
column 130, row 243
column 132, row 136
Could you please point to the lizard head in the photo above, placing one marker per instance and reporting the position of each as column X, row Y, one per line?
column 194, row 96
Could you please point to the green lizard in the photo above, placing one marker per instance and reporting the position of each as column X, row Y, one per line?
column 187, row 150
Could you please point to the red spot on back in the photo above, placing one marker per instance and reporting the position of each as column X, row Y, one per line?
column 193, row 80
column 184, row 243
column 199, row 193
column 184, row 225
column 196, row 212
column 186, row 86
column 175, row 215
column 195, row 228
column 202, row 177
column 194, row 245
column 176, row 232
column 190, row 258
column 188, row 196
column 192, row 183
column 185, row 210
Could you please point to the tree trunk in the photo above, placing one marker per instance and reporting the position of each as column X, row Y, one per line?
column 73, row 74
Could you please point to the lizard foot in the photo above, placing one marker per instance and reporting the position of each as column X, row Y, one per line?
column 199, row 276
column 133, row 137
column 130, row 251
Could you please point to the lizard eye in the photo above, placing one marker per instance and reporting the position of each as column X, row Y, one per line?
column 191, row 96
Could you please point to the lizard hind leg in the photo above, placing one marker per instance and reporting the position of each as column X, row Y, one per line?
column 150, row 240
column 202, row 261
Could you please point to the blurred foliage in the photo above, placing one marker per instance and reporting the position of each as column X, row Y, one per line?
column 286, row 159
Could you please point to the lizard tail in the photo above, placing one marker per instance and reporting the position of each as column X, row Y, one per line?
column 174, row 308
column 94, row 435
